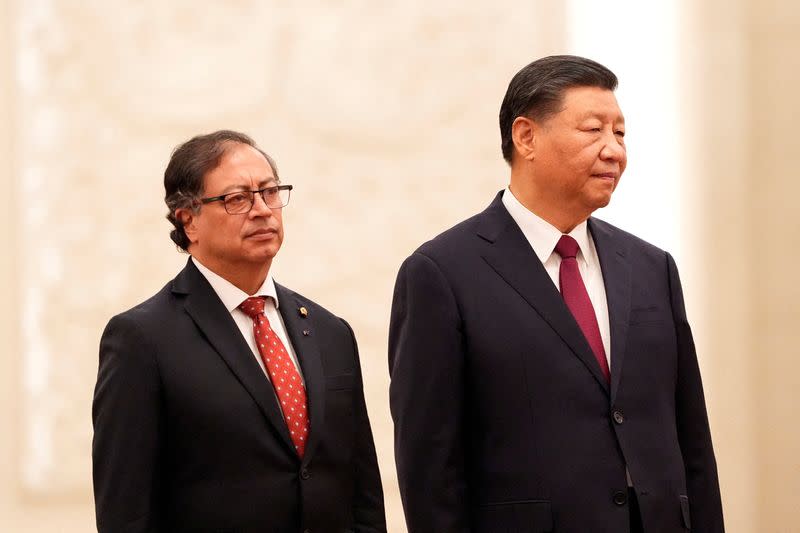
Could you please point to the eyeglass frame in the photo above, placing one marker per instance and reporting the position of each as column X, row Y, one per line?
column 221, row 198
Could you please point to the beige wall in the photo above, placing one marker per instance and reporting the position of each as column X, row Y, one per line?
column 775, row 188
column 388, row 132
column 717, row 93
column 742, row 97
column 20, row 509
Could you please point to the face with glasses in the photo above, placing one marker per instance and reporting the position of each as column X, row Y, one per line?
column 239, row 226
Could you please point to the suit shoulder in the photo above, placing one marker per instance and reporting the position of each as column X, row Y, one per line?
column 152, row 311
column 450, row 241
column 296, row 302
column 634, row 243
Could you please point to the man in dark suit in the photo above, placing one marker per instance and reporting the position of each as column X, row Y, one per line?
column 227, row 402
column 544, row 376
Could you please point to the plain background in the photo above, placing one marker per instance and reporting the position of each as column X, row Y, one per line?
column 384, row 117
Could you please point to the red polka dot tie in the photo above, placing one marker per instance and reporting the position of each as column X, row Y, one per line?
column 577, row 299
column 281, row 370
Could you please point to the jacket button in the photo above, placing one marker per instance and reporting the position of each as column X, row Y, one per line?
column 619, row 418
column 305, row 474
column 620, row 498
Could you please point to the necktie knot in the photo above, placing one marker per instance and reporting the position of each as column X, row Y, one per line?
column 567, row 247
column 253, row 306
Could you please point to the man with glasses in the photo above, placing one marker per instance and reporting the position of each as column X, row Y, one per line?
column 227, row 402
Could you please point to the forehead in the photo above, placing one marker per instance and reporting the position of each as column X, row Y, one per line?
column 586, row 102
column 241, row 165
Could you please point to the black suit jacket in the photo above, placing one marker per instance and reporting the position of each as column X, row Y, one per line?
column 188, row 435
column 503, row 420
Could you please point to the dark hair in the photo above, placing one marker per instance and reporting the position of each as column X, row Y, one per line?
column 537, row 90
column 184, row 178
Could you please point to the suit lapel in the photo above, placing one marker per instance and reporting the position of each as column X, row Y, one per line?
column 512, row 257
column 617, row 280
column 301, row 331
column 219, row 329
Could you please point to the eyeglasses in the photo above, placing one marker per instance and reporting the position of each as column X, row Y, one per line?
column 240, row 202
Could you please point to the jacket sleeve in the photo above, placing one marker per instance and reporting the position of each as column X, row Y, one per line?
column 127, row 427
column 426, row 365
column 368, row 512
column 692, row 422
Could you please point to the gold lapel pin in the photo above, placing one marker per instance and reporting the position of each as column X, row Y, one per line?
column 303, row 312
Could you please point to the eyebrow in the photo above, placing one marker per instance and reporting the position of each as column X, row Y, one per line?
column 239, row 187
column 602, row 116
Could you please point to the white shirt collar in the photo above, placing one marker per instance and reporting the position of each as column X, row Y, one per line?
column 542, row 235
column 231, row 295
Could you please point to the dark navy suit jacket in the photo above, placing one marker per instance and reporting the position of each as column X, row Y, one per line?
column 503, row 419
column 189, row 435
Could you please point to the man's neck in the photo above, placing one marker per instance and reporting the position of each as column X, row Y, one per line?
column 565, row 220
column 248, row 277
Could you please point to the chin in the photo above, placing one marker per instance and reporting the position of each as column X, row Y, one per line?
column 263, row 255
column 593, row 206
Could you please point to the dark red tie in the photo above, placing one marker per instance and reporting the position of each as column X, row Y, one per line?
column 284, row 375
column 577, row 299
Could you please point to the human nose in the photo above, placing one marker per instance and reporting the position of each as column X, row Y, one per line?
column 260, row 207
column 614, row 149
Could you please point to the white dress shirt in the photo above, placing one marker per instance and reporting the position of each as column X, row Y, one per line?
column 232, row 296
column 543, row 238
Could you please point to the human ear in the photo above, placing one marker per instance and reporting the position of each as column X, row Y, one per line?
column 522, row 133
column 188, row 218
